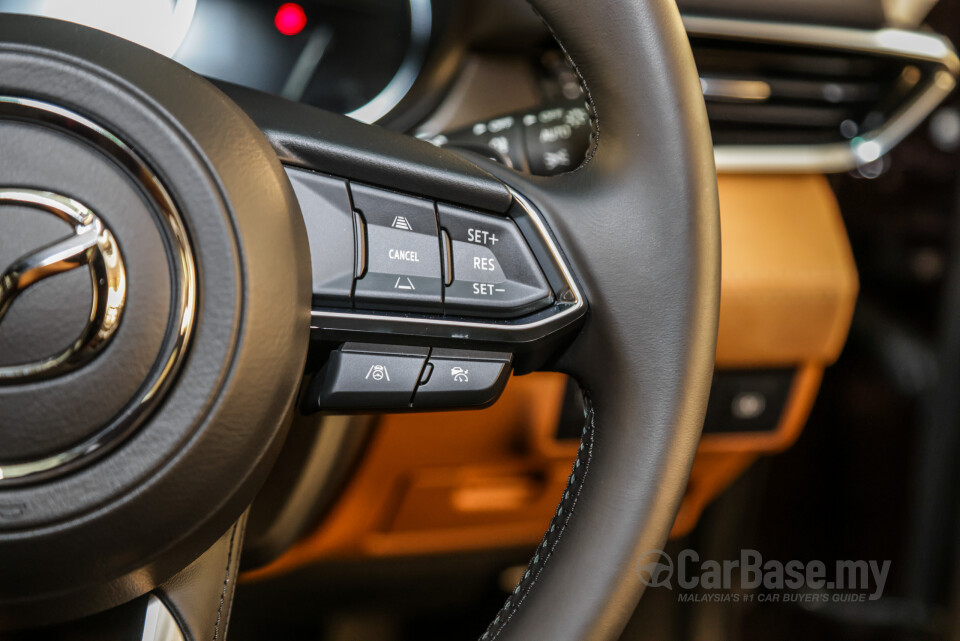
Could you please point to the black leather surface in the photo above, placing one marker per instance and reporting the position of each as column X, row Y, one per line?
column 639, row 222
column 201, row 596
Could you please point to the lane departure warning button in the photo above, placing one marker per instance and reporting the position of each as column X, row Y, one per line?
column 363, row 376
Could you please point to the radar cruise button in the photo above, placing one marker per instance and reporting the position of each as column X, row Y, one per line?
column 456, row 378
column 494, row 272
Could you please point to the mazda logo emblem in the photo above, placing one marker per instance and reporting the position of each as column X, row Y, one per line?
column 92, row 245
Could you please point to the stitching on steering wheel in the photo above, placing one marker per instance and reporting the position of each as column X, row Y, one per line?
column 591, row 106
column 226, row 581
column 582, row 464
column 557, row 526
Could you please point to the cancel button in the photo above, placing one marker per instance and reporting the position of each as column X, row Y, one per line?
column 402, row 269
column 404, row 254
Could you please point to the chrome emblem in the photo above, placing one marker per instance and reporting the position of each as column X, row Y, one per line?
column 92, row 245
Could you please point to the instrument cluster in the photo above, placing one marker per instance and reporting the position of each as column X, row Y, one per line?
column 358, row 57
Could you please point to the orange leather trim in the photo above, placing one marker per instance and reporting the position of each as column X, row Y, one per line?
column 788, row 282
column 450, row 481
column 787, row 293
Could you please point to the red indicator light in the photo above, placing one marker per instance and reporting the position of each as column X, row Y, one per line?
column 290, row 19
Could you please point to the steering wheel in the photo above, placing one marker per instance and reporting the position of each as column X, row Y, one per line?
column 135, row 430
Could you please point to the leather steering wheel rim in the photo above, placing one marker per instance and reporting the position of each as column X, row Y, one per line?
column 637, row 223
column 645, row 356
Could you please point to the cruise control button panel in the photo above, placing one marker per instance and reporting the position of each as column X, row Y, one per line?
column 402, row 269
column 375, row 249
column 494, row 273
column 393, row 267
column 462, row 379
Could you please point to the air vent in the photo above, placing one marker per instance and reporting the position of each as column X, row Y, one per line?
column 769, row 94
column 802, row 98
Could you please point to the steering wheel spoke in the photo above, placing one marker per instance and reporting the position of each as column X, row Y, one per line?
column 432, row 277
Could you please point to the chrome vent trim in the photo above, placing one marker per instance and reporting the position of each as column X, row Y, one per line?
column 909, row 46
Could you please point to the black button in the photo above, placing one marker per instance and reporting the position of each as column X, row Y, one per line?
column 494, row 271
column 460, row 378
column 747, row 400
column 325, row 203
column 363, row 376
column 402, row 250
